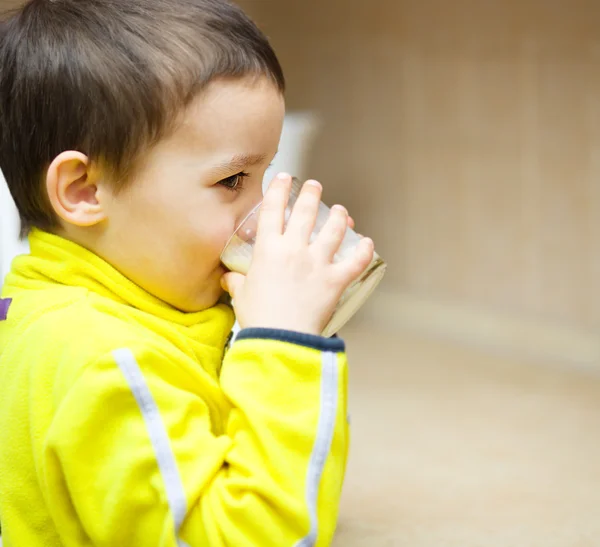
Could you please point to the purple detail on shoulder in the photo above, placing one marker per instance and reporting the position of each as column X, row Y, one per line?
column 4, row 305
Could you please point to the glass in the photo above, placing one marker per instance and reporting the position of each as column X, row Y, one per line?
column 237, row 257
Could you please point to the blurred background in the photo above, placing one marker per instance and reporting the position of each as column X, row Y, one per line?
column 464, row 137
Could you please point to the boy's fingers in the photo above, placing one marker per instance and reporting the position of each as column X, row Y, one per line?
column 351, row 268
column 272, row 211
column 304, row 215
column 332, row 234
column 351, row 223
column 232, row 282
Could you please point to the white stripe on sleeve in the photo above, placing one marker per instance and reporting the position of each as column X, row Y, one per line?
column 158, row 436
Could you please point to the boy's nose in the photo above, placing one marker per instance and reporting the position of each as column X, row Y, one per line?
column 247, row 211
column 251, row 200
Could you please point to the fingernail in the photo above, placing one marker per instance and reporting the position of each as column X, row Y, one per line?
column 284, row 176
column 340, row 208
column 314, row 183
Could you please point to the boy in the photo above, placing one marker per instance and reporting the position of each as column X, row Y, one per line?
column 134, row 137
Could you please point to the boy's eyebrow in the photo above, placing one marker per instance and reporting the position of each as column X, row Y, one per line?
column 241, row 161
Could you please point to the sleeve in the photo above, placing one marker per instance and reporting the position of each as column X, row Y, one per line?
column 133, row 457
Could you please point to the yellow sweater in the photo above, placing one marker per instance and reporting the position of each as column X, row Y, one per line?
column 122, row 423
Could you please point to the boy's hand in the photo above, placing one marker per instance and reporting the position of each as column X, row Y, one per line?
column 293, row 284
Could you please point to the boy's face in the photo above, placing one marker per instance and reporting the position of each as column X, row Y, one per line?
column 167, row 229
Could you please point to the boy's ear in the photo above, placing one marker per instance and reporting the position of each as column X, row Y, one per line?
column 73, row 191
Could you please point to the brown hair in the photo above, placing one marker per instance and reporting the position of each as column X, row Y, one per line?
column 108, row 78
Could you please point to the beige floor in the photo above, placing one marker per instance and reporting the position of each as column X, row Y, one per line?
column 455, row 448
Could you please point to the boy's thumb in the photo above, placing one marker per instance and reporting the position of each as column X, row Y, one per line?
column 232, row 282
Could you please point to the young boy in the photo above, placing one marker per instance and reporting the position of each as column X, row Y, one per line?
column 134, row 136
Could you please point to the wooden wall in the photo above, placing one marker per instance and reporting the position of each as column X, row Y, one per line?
column 465, row 137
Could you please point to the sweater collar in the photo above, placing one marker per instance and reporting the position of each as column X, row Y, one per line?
column 55, row 260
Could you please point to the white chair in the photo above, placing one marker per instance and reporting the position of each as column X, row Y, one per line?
column 10, row 244
column 300, row 130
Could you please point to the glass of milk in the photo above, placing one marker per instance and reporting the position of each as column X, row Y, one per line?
column 237, row 257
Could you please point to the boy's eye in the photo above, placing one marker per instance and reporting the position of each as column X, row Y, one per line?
column 234, row 182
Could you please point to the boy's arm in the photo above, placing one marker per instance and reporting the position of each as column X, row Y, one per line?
column 290, row 435
column 134, row 458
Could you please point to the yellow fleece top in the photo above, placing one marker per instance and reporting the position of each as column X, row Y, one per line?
column 122, row 423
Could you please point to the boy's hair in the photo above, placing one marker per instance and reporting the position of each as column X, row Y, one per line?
column 108, row 78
